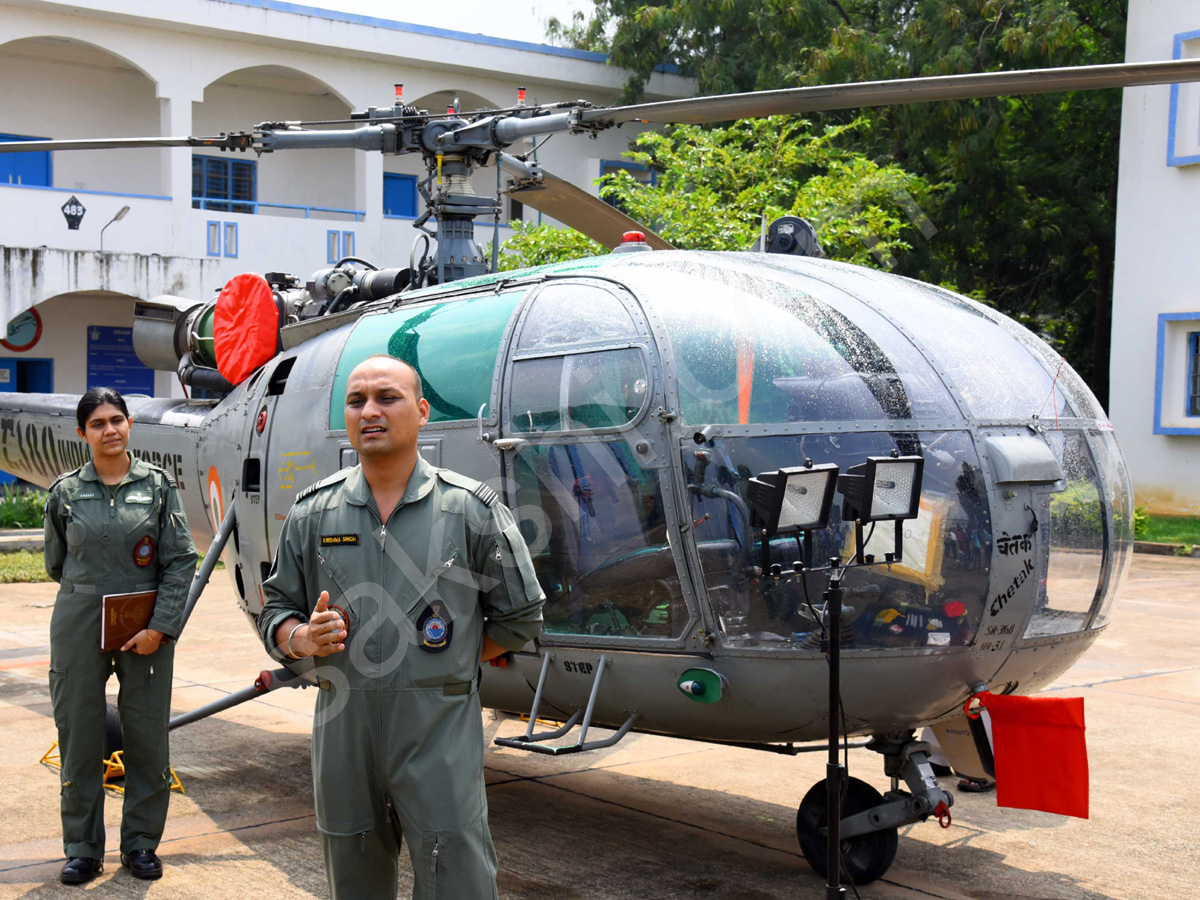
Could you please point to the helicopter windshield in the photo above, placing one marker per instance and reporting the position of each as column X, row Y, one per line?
column 755, row 350
column 935, row 598
column 1076, row 561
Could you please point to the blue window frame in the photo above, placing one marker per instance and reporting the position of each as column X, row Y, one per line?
column 333, row 251
column 217, row 183
column 34, row 168
column 1193, row 404
column 231, row 240
column 399, row 196
column 213, row 238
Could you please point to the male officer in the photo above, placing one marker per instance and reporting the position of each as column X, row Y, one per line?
column 400, row 578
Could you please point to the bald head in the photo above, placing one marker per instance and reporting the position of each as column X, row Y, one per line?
column 387, row 363
column 384, row 408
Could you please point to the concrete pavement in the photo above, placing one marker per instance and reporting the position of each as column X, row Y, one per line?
column 652, row 817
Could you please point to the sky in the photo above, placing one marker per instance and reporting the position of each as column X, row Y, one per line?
column 522, row 20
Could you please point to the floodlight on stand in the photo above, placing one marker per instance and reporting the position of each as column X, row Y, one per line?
column 884, row 488
column 790, row 501
column 793, row 499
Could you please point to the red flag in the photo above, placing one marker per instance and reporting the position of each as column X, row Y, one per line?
column 1041, row 753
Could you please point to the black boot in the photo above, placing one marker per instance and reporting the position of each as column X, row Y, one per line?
column 80, row 870
column 142, row 864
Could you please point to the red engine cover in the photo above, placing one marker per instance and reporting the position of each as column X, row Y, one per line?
column 245, row 326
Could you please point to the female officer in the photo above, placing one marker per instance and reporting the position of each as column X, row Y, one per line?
column 113, row 526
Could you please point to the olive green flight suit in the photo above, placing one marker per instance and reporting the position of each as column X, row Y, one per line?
column 108, row 540
column 397, row 744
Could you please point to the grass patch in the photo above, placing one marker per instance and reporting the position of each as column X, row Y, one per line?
column 1171, row 529
column 29, row 567
column 22, row 567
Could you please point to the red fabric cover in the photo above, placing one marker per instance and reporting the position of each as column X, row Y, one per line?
column 245, row 326
column 1041, row 753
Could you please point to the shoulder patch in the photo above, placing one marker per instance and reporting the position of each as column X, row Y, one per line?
column 481, row 491
column 333, row 479
column 64, row 475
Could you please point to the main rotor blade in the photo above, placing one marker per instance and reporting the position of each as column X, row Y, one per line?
column 699, row 110
column 225, row 141
column 580, row 210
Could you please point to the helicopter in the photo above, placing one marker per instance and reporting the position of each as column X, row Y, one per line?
column 634, row 409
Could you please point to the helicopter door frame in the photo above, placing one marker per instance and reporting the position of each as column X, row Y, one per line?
column 253, row 519
column 645, row 435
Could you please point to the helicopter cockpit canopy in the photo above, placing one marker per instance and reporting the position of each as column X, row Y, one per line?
column 764, row 362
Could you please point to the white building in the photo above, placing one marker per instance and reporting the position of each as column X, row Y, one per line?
column 117, row 68
column 1155, row 372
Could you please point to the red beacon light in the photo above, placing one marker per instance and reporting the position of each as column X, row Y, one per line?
column 520, row 96
column 399, row 94
column 632, row 242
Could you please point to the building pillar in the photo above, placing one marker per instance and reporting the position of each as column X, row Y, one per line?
column 175, row 120
column 368, row 196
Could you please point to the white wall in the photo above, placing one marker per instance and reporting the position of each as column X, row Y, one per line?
column 1157, row 267
column 50, row 96
column 105, row 68
column 65, row 321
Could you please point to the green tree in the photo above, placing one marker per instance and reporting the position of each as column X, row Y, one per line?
column 1027, row 219
column 714, row 185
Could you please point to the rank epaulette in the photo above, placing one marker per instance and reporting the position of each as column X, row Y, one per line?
column 486, row 494
column 170, row 478
column 337, row 476
column 478, row 489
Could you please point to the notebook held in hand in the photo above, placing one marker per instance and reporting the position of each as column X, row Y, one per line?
column 123, row 616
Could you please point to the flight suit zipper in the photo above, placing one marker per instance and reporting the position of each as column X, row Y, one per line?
column 434, row 874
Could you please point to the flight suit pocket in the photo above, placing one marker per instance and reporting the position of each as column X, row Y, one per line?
column 343, row 598
column 519, row 575
column 58, row 693
column 440, row 621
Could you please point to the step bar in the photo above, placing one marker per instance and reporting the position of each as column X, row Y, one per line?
column 536, row 743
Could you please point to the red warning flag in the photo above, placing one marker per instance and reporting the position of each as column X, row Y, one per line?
column 1041, row 753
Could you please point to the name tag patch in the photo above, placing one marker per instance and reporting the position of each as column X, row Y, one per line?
column 337, row 540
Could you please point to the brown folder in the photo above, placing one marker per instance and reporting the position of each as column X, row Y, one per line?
column 123, row 616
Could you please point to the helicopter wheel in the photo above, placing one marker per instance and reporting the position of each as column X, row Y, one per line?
column 113, row 741
column 864, row 858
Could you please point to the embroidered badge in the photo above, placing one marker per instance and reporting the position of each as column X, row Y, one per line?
column 143, row 552
column 345, row 619
column 337, row 540
column 435, row 628
column 136, row 497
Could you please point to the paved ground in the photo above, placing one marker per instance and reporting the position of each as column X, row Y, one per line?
column 651, row 818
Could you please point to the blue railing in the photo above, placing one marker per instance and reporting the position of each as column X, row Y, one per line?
column 42, row 187
column 252, row 206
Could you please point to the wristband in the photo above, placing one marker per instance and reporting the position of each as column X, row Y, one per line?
column 288, row 642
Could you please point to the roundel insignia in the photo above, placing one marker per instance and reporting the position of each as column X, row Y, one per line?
column 435, row 628
column 143, row 551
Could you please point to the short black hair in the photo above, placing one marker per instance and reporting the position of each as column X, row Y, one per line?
column 96, row 398
column 417, row 380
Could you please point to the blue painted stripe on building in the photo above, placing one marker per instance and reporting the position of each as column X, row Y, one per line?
column 412, row 28
column 1173, row 114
